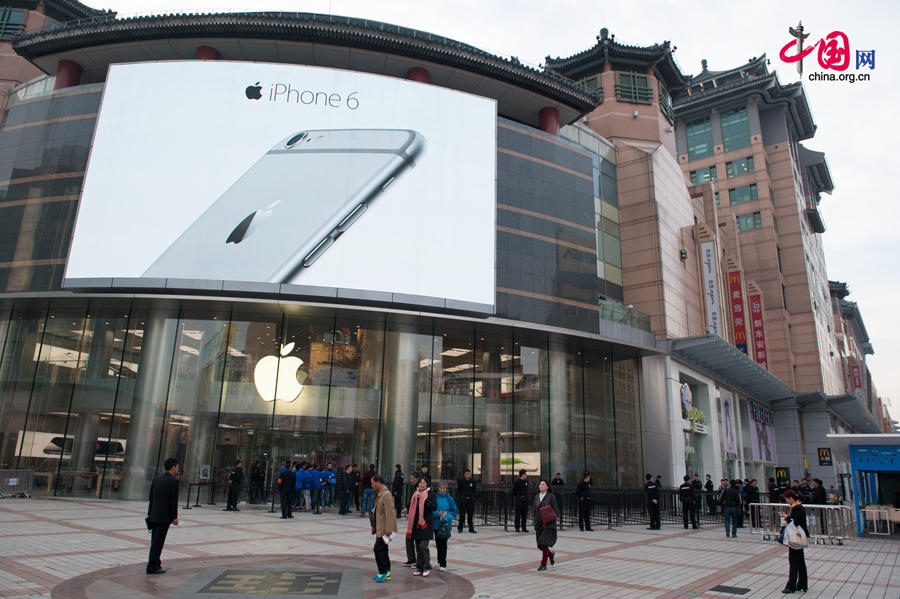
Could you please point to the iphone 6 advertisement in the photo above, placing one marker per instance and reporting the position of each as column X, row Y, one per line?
column 272, row 173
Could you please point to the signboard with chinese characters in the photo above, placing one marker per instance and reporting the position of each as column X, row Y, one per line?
column 708, row 265
column 759, row 331
column 825, row 456
column 736, row 293
column 857, row 381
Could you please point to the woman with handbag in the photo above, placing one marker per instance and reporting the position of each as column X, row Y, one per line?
column 444, row 515
column 546, row 514
column 420, row 526
column 797, row 580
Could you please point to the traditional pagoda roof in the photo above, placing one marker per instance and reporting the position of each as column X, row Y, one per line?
column 712, row 88
column 816, row 168
column 839, row 288
column 93, row 39
column 620, row 56
column 61, row 10
column 850, row 311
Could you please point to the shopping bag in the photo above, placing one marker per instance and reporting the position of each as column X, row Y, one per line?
column 795, row 537
column 781, row 535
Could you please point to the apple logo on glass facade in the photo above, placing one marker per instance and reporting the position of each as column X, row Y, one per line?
column 253, row 91
column 275, row 377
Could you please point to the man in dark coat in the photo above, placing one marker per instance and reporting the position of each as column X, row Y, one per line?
column 162, row 512
column 686, row 495
column 357, row 486
column 288, row 484
column 585, row 502
column 234, row 487
column 520, row 497
column 424, row 473
column 818, row 493
column 465, row 494
column 397, row 489
column 652, row 490
column 545, row 534
column 257, row 481
column 752, row 495
column 697, row 486
column 347, row 487
column 710, row 494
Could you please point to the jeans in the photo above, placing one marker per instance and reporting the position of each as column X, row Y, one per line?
column 382, row 557
column 328, row 493
column 298, row 493
column 368, row 500
column 306, row 502
column 731, row 516
column 316, row 495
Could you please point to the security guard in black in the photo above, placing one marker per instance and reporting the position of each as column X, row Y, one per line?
column 585, row 502
column 652, row 491
column 522, row 502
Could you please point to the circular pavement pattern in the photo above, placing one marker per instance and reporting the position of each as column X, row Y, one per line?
column 271, row 576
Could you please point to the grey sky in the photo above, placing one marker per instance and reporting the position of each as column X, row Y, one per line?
column 856, row 127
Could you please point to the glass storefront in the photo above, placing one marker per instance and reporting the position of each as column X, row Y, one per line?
column 94, row 397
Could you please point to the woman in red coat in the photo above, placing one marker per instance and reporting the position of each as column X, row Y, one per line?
column 545, row 533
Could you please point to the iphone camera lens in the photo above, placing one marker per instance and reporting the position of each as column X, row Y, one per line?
column 297, row 138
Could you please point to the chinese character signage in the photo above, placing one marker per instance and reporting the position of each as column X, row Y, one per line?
column 738, row 317
column 833, row 53
column 711, row 288
column 825, row 456
column 857, row 381
column 757, row 329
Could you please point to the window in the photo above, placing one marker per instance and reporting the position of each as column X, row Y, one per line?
column 590, row 83
column 703, row 175
column 665, row 104
column 746, row 222
column 739, row 167
column 12, row 22
column 739, row 195
column 699, row 139
column 633, row 87
column 735, row 129
column 717, row 200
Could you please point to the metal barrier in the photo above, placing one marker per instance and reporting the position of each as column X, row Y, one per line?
column 831, row 524
column 16, row 482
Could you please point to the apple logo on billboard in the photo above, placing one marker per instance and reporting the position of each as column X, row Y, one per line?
column 254, row 91
column 275, row 377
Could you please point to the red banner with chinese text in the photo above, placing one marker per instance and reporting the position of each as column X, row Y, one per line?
column 759, row 331
column 738, row 318
column 857, row 381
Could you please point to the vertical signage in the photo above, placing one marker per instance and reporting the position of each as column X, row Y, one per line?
column 735, row 291
column 857, row 381
column 759, row 331
column 711, row 287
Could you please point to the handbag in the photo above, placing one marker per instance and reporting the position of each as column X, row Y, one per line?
column 443, row 531
column 548, row 514
column 795, row 537
column 781, row 535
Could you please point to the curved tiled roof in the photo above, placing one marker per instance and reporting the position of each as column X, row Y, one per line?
column 306, row 27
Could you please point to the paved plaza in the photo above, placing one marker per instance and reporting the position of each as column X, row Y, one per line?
column 78, row 548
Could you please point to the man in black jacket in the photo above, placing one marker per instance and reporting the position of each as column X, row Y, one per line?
column 162, row 511
column 465, row 493
column 751, row 494
column 234, row 487
column 731, row 503
column 397, row 488
column 257, row 480
column 585, row 502
column 347, row 487
column 652, row 490
column 698, row 495
column 522, row 501
column 710, row 494
column 286, row 488
column 686, row 494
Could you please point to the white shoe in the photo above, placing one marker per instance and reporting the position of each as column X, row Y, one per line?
column 425, row 573
column 443, row 568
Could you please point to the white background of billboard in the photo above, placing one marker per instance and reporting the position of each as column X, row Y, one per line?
column 173, row 136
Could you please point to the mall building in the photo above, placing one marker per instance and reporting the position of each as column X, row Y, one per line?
column 638, row 215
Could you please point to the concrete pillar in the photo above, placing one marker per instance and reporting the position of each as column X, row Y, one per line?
column 85, row 442
column 401, row 397
column 561, row 458
column 148, row 407
column 207, row 53
column 494, row 420
column 549, row 116
column 68, row 74
column 418, row 74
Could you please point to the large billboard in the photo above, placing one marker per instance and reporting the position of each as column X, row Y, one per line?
column 204, row 172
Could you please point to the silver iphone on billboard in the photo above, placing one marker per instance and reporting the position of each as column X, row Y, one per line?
column 291, row 206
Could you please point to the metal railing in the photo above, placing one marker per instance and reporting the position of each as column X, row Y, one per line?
column 16, row 482
column 827, row 524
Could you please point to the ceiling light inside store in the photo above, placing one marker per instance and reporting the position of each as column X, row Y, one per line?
column 455, row 352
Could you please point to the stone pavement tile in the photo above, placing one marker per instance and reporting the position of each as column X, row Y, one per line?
column 33, row 527
column 62, row 543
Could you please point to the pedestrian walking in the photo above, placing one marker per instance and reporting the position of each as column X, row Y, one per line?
column 410, row 544
column 347, row 487
column 797, row 580
column 544, row 523
column 234, row 487
column 162, row 512
column 465, row 490
column 368, row 493
column 585, row 502
column 652, row 491
column 444, row 515
column 420, row 525
column 384, row 527
column 397, row 488
column 287, row 485
column 686, row 495
column 731, row 503
column 521, row 499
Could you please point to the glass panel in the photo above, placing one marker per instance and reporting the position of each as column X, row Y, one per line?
column 452, row 411
column 567, row 426
column 612, row 250
column 735, row 129
column 629, row 447
column 699, row 139
column 493, row 458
